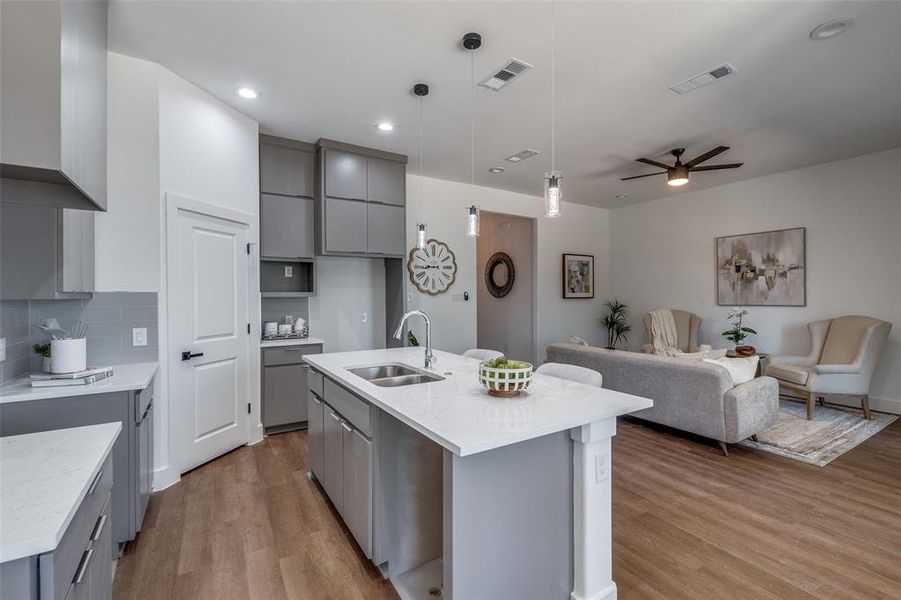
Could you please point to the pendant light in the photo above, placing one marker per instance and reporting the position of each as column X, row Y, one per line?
column 421, row 90
column 553, row 195
column 472, row 42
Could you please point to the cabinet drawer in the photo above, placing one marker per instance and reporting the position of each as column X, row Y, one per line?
column 59, row 568
column 356, row 411
column 288, row 355
column 142, row 401
column 315, row 382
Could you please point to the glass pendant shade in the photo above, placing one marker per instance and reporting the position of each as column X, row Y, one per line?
column 420, row 235
column 553, row 195
column 472, row 223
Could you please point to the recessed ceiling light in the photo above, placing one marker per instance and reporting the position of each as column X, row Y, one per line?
column 831, row 28
column 622, row 196
column 496, row 170
column 246, row 92
column 385, row 126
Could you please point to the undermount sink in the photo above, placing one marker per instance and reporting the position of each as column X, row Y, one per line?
column 394, row 375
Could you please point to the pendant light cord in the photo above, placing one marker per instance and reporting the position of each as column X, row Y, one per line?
column 472, row 119
column 553, row 94
column 421, row 182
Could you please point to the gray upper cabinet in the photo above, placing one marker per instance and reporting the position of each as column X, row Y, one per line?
column 386, row 231
column 345, row 175
column 286, row 227
column 287, row 168
column 361, row 197
column 53, row 72
column 46, row 253
column 386, row 181
column 345, row 226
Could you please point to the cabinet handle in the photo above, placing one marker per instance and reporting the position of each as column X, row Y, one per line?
column 83, row 565
column 346, row 427
column 335, row 417
column 317, row 400
column 95, row 483
column 98, row 528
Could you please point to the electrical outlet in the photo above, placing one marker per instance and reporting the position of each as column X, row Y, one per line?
column 2, row 349
column 139, row 336
column 601, row 467
column 364, row 318
column 289, row 271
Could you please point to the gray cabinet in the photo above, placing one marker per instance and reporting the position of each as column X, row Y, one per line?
column 286, row 227
column 315, row 416
column 346, row 226
column 287, row 167
column 345, row 175
column 385, row 229
column 46, row 253
column 285, row 387
column 145, row 461
column 386, row 181
column 361, row 198
column 357, row 475
column 333, row 457
column 128, row 501
column 53, row 115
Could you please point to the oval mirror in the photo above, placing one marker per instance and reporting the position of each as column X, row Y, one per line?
column 499, row 274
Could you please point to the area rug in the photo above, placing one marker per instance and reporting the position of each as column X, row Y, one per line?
column 833, row 431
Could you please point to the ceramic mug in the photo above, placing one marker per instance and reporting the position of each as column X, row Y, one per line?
column 270, row 327
column 299, row 325
column 284, row 328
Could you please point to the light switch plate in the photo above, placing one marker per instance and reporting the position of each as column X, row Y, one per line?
column 289, row 271
column 139, row 336
column 2, row 349
column 364, row 318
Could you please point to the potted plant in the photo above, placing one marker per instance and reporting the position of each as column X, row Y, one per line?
column 615, row 323
column 739, row 332
column 43, row 350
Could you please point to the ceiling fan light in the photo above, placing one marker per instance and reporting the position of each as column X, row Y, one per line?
column 677, row 176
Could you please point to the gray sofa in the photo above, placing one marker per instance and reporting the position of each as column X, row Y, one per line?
column 690, row 395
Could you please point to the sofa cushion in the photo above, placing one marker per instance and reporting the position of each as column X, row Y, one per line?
column 741, row 370
column 790, row 373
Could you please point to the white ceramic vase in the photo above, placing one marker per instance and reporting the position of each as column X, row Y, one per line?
column 68, row 356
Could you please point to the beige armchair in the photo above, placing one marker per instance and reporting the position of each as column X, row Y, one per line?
column 843, row 354
column 687, row 325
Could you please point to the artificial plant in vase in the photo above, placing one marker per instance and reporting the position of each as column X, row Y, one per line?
column 43, row 350
column 739, row 332
column 614, row 321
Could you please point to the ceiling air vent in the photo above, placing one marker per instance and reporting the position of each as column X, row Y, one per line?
column 507, row 73
column 703, row 79
column 527, row 153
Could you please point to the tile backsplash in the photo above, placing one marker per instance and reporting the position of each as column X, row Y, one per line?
column 276, row 309
column 109, row 318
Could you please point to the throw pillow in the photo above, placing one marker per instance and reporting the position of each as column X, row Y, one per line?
column 577, row 341
column 741, row 370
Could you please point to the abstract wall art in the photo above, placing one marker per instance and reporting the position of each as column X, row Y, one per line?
column 762, row 269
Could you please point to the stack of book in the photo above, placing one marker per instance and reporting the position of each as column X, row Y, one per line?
column 79, row 378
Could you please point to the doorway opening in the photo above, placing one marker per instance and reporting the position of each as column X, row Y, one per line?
column 505, row 302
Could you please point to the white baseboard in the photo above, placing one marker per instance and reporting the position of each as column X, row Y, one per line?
column 165, row 477
column 886, row 405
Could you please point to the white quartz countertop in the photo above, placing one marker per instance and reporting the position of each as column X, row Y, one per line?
column 127, row 377
column 44, row 478
column 458, row 413
column 295, row 342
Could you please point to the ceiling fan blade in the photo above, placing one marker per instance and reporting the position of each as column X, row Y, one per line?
column 653, row 163
column 716, row 167
column 640, row 176
column 706, row 156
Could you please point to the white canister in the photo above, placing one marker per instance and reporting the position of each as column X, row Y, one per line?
column 284, row 328
column 68, row 356
column 299, row 325
column 270, row 327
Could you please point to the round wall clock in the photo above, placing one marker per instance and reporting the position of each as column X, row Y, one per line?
column 432, row 269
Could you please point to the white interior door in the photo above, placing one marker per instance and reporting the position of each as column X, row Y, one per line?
column 208, row 314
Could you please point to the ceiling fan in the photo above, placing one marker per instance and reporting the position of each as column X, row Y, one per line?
column 678, row 173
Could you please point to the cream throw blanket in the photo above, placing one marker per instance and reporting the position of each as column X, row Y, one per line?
column 663, row 332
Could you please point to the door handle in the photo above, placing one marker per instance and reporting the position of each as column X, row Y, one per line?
column 188, row 355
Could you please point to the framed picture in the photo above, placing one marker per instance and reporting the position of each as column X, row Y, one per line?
column 768, row 268
column 578, row 276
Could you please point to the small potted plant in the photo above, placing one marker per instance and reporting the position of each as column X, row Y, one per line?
column 615, row 323
column 739, row 332
column 43, row 350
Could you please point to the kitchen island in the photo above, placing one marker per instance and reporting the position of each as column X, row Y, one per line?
column 483, row 496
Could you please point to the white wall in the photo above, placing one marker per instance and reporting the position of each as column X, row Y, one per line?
column 662, row 253
column 580, row 229
column 346, row 289
column 167, row 135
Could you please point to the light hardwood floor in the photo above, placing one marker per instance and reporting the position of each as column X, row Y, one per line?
column 688, row 523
